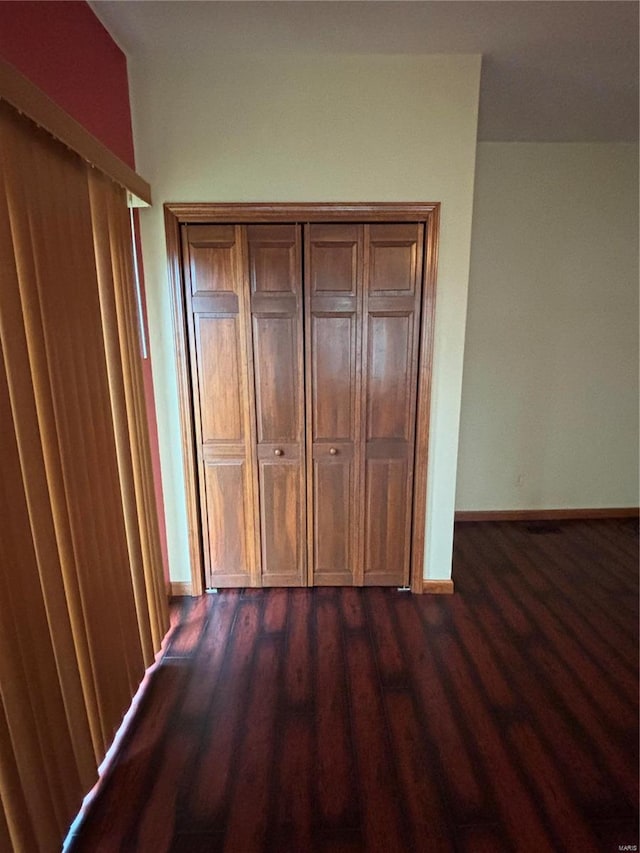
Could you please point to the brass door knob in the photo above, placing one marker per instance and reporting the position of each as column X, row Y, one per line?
column 278, row 452
column 333, row 451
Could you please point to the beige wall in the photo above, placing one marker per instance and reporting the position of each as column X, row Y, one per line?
column 313, row 128
column 550, row 391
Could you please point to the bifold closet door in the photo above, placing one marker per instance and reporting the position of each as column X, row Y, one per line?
column 390, row 342
column 275, row 278
column 305, row 432
column 363, row 293
column 333, row 306
column 217, row 310
column 244, row 311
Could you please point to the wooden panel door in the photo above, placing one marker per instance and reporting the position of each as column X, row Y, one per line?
column 333, row 294
column 216, row 310
column 274, row 254
column 391, row 325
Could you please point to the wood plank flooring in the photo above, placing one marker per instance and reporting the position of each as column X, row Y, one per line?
column 502, row 718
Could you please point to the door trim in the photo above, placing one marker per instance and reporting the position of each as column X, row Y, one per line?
column 177, row 214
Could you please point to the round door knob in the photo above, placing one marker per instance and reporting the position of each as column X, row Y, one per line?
column 333, row 451
column 278, row 452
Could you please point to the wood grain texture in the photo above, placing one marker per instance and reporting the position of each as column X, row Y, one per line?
column 391, row 302
column 333, row 268
column 302, row 212
column 253, row 487
column 274, row 254
column 503, row 718
column 333, row 316
column 181, row 588
column 216, row 308
column 434, row 587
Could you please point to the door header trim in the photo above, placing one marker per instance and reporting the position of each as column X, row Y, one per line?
column 241, row 213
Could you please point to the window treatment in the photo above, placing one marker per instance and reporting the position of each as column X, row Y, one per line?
column 82, row 601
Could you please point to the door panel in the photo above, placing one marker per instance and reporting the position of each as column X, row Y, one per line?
column 389, row 349
column 391, row 308
column 277, row 381
column 219, row 385
column 281, row 521
column 334, row 258
column 334, row 255
column 333, row 404
column 333, row 552
column 387, row 520
column 215, row 312
column 395, row 258
column 274, row 255
column 226, row 521
column 212, row 258
column 274, row 262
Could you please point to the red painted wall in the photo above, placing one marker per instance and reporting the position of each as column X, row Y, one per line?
column 64, row 49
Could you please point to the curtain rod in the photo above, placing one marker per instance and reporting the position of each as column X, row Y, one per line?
column 28, row 99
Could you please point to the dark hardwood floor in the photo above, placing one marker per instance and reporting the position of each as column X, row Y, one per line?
column 502, row 718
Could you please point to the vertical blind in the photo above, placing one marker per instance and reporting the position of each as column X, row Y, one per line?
column 82, row 601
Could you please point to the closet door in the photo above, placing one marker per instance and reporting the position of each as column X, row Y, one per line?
column 333, row 285
column 216, row 308
column 391, row 325
column 275, row 279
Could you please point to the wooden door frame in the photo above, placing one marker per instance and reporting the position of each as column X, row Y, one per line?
column 178, row 214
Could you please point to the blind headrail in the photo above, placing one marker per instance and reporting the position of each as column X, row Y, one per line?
column 32, row 102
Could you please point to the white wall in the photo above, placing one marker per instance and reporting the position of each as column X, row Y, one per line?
column 550, row 393
column 212, row 127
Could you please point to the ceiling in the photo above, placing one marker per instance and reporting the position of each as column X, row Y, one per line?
column 558, row 70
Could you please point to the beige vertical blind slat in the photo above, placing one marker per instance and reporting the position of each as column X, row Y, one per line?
column 31, row 692
column 33, row 417
column 27, row 644
column 83, row 602
column 114, row 267
column 55, row 184
column 15, row 820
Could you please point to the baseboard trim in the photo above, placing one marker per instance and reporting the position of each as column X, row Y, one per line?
column 546, row 514
column 179, row 588
column 431, row 587
column 437, row 587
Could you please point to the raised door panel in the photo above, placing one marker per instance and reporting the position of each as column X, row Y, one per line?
column 333, row 340
column 334, row 252
column 222, row 402
column 219, row 385
column 281, row 521
column 391, row 308
column 274, row 259
column 334, row 255
column 227, row 528
column 212, row 250
column 278, row 392
column 333, row 488
column 275, row 281
column 389, row 389
column 394, row 256
column 387, row 520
